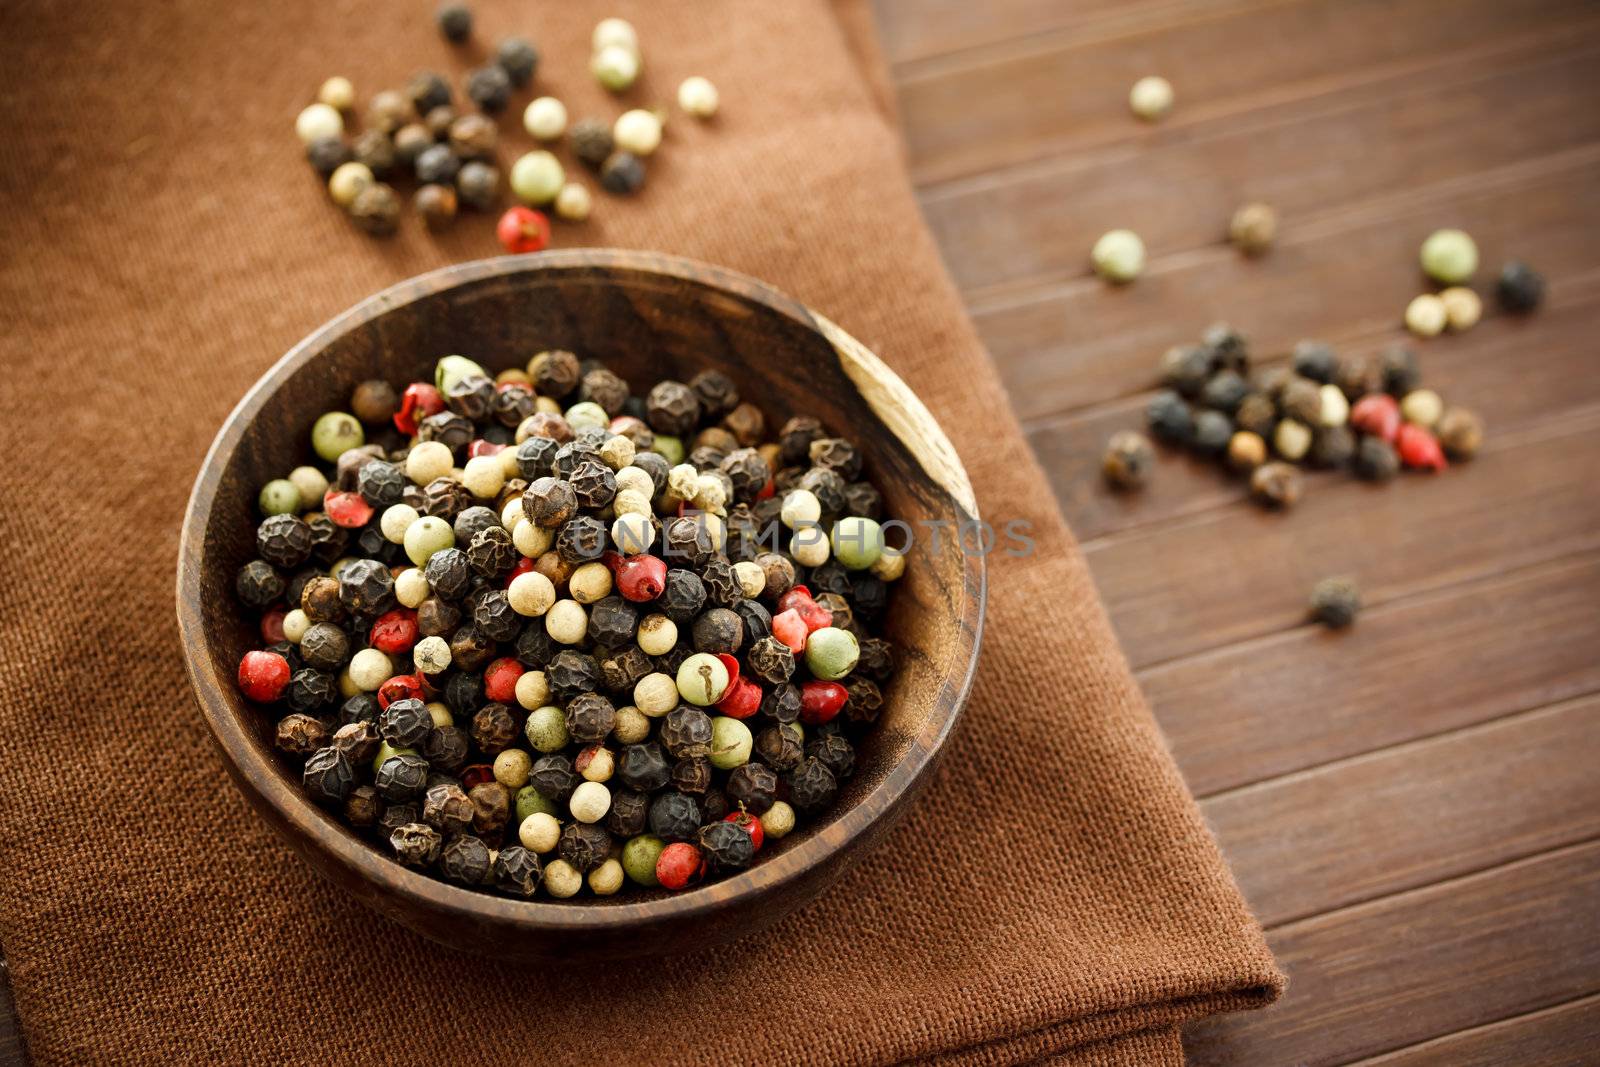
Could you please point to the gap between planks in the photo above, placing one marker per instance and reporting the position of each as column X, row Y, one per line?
column 1450, row 1046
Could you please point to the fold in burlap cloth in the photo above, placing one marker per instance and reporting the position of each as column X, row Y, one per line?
column 1054, row 892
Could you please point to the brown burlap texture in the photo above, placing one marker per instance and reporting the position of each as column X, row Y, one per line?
column 1053, row 894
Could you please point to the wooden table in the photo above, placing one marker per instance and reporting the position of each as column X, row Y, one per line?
column 1412, row 807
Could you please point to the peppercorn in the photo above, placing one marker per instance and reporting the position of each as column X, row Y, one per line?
column 674, row 817
column 401, row 776
column 643, row 767
column 1253, row 228
column 493, row 728
column 357, row 737
column 1292, row 439
column 1426, row 315
column 1449, row 257
column 300, row 735
column 692, row 775
column 516, row 871
column 1186, row 368
column 1419, row 448
column 552, row 775
column 1332, row 446
column 570, row 674
column 779, row 746
column 455, row 22
column 362, row 808
column 834, row 753
column 405, row 723
column 446, row 748
column 753, row 786
column 1398, row 371
column 436, row 204
column 1301, row 400
column 366, row 587
column 463, row 692
column 518, row 58
column 1354, row 376
column 328, row 154
column 590, row 717
column 1229, row 348
column 1212, row 432
column 375, row 150
column 622, row 173
column 1118, row 256
column 726, row 846
column 1274, row 485
column 446, row 808
column 415, row 844
column 1315, row 360
column 1224, row 391
column 310, row 689
column 686, row 733
column 678, row 866
column 490, row 88
column 863, row 700
column 1462, row 308
column 812, row 786
column 1335, row 602
column 410, row 141
column 465, row 860
column 1520, row 288
column 376, row 209
column 591, row 141
column 1460, row 432
column 491, row 808
column 257, row 584
column 1170, row 418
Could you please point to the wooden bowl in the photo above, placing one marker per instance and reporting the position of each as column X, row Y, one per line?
column 647, row 316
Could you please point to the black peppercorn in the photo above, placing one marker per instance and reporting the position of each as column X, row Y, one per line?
column 863, row 498
column 1186, row 368
column 555, row 374
column 612, row 622
column 357, row 739
column 415, row 844
column 437, row 617
column 283, row 540
column 781, row 703
column 584, row 845
column 603, row 387
column 655, row 465
column 518, row 58
column 827, row 486
column 405, row 723
column 446, row 808
column 747, row 423
column 812, row 785
column 257, row 584
column 463, row 693
column 674, row 817
column 1375, row 460
column 536, row 460
column 1170, row 418
column 623, row 173
column 397, row 815
column 473, row 137
column 470, row 521
column 834, row 753
column 376, row 210
column 1520, row 288
column 1276, row 485
column 516, row 871
column 553, row 778
column 1398, row 370
column 311, row 689
column 779, row 572
column 492, row 555
column 686, row 540
column 778, row 746
column 593, row 484
column 455, row 22
column 621, row 670
column 669, row 662
column 491, row 809
column 628, row 814
column 718, row 630
column 686, row 732
column 1224, row 391
column 363, row 707
column 770, row 660
column 1335, row 602
column 1227, row 347
column 570, row 673
column 362, row 807
column 581, row 539
column 864, row 700
column 1332, row 446
column 376, row 150
column 1257, row 413
column 512, row 403
column 381, row 483
column 444, row 498
column 829, row 577
column 402, row 776
column 836, row 454
column 328, row 154
column 876, row 660
column 410, row 141
column 1212, row 432
column 465, row 860
column 643, row 767
column 490, row 88
column 672, row 408
column 1315, row 360
column 446, row 748
column 682, row 595
column 478, row 185
column 449, row 574
column 328, row 540
column 300, row 735
column 692, row 775
column 727, row 846
column 549, row 502
column 470, row 396
column 494, row 728
column 794, row 440
column 366, row 587
column 591, row 141
column 753, row 786
column 590, row 718
column 1301, row 399
column 722, row 584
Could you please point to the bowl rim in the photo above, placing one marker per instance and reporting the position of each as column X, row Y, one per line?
column 255, row 771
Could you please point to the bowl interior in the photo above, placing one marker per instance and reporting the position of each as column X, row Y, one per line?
column 647, row 318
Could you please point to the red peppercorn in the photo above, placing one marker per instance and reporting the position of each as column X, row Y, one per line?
column 730, row 662
column 768, row 489
column 394, row 631
column 500, row 680
column 679, row 865
column 524, row 565
column 750, row 825
column 263, row 676
column 1419, row 448
column 790, row 628
column 799, row 600
column 418, row 402
column 400, row 687
column 821, row 701
column 481, row 447
column 742, row 700
column 476, row 775
column 640, row 578
column 272, row 626
column 1377, row 414
column 522, row 229
column 349, row 510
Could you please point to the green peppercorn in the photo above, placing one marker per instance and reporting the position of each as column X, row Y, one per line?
column 731, row 742
column 546, row 729
column 857, row 542
column 639, row 858
column 279, row 497
column 1335, row 602
column 1449, row 257
column 831, row 652
column 1128, row 460
column 334, row 433
column 530, row 801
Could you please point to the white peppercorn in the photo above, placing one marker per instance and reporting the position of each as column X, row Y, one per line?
column 349, row 181
column 369, row 669
column 637, row 131
column 1462, row 307
column 1292, row 439
column 566, row 622
column 698, row 97
column 561, row 879
column 431, row 655
column 1426, row 315
column 545, row 118
column 511, row 768
column 539, row 832
column 337, row 93
column 1118, row 256
column 590, row 802
column 1151, row 97
column 1422, row 407
column 411, row 588
column 317, row 121
column 531, row 594
column 573, row 203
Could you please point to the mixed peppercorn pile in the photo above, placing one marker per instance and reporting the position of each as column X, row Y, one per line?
column 534, row 629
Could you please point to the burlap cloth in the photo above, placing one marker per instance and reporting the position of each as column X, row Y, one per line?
column 1053, row 894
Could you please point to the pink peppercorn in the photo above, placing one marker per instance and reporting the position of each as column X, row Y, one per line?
column 750, row 825
column 524, row 565
column 418, row 402
column 640, row 578
column 263, row 676
column 394, row 631
column 679, row 865
column 821, row 701
column 1420, row 449
column 500, row 680
column 522, row 229
column 790, row 628
column 799, row 599
column 742, row 700
column 349, row 510
column 481, row 447
column 272, row 626
column 1377, row 414
column 400, row 687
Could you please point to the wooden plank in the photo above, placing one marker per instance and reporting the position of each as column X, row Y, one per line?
column 1392, row 973
column 1445, row 806
column 1486, row 370
column 1045, row 95
column 921, row 29
column 1563, row 1036
column 1241, row 572
column 1084, row 343
column 1307, row 158
column 1408, row 670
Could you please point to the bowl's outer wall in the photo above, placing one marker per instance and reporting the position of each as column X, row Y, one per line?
column 648, row 317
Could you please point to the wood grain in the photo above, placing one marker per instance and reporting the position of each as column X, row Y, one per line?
column 1445, row 806
column 1472, row 370
column 1412, row 967
column 1240, row 572
column 1441, row 124
column 1413, row 669
column 1080, row 343
column 1051, row 95
column 1563, row 1036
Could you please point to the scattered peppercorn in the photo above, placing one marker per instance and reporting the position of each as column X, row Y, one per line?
column 622, row 173
column 1335, row 602
column 1276, row 485
column 1520, row 288
column 1253, row 228
column 455, row 22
